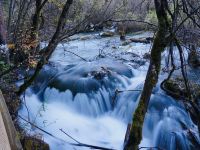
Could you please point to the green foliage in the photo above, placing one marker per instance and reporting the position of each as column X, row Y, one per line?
column 131, row 15
column 151, row 17
column 3, row 66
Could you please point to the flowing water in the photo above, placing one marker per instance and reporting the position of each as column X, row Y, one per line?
column 80, row 98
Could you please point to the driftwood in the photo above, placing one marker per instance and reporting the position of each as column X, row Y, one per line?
column 138, row 40
column 142, row 40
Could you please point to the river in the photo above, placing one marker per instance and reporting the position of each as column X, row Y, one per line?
column 78, row 95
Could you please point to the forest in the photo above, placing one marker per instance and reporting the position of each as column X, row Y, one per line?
column 100, row 74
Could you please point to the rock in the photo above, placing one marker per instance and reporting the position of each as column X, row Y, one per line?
column 147, row 56
column 139, row 62
column 107, row 34
column 127, row 42
column 32, row 143
column 122, row 37
column 137, row 40
column 140, row 40
column 194, row 58
column 173, row 89
column 176, row 88
column 131, row 54
column 150, row 39
column 114, row 47
column 86, row 37
column 88, row 77
column 99, row 75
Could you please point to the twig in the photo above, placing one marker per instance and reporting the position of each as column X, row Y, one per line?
column 75, row 54
column 78, row 143
column 69, row 136
column 46, row 132
column 120, row 91
column 132, row 20
column 84, row 145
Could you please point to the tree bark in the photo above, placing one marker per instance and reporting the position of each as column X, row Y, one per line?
column 159, row 44
column 2, row 26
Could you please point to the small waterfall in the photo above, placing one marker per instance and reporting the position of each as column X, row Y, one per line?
column 81, row 99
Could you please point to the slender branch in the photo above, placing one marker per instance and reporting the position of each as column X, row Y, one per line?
column 84, row 145
column 182, row 68
column 75, row 54
column 42, row 5
column 132, row 20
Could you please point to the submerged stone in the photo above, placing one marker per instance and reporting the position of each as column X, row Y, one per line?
column 88, row 77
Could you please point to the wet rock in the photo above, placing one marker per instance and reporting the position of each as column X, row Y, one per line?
column 140, row 40
column 150, row 39
column 127, row 42
column 114, row 47
column 88, row 77
column 86, row 37
column 147, row 56
column 130, row 53
column 174, row 86
column 139, row 62
column 137, row 40
column 194, row 59
column 107, row 34
column 99, row 75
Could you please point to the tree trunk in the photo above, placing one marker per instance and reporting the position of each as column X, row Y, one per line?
column 159, row 44
column 49, row 49
column 2, row 26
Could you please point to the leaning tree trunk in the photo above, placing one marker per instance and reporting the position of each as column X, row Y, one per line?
column 159, row 44
column 50, row 48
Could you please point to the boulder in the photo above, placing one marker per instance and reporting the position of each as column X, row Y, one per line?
column 127, row 42
column 176, row 88
column 99, row 75
column 194, row 58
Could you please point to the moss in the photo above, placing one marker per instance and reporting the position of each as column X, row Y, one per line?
column 176, row 88
column 151, row 17
column 31, row 143
column 136, row 128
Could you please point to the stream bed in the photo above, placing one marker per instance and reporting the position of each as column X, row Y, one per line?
column 76, row 92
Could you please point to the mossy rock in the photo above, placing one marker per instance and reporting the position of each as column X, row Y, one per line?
column 147, row 56
column 176, row 88
column 32, row 143
column 194, row 59
column 107, row 34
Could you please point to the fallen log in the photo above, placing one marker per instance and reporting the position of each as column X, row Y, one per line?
column 142, row 40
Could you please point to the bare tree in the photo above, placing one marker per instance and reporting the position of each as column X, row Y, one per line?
column 167, row 33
